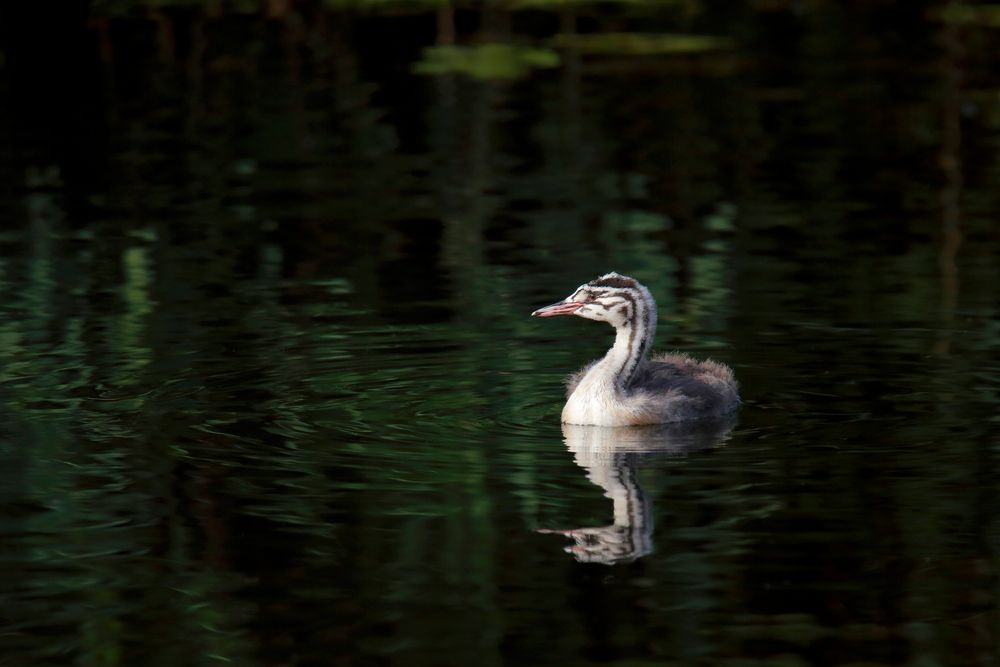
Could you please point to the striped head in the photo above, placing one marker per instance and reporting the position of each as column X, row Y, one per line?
column 613, row 298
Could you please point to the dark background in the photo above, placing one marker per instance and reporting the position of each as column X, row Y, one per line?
column 269, row 392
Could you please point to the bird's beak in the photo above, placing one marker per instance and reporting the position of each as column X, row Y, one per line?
column 560, row 308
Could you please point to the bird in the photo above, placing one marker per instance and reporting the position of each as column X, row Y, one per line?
column 627, row 387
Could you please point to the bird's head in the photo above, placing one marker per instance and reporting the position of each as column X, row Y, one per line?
column 612, row 298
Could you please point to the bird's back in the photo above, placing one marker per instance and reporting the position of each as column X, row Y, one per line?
column 681, row 387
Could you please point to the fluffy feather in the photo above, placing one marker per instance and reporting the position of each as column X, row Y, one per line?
column 624, row 388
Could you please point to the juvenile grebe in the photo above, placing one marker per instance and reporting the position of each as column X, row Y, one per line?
column 624, row 387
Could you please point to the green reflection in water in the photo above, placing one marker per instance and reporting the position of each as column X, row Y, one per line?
column 645, row 44
column 485, row 61
column 273, row 396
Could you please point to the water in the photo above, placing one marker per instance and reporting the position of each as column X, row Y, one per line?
column 270, row 394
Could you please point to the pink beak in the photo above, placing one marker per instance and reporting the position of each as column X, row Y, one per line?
column 560, row 308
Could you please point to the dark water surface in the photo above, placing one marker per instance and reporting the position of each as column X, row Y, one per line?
column 270, row 394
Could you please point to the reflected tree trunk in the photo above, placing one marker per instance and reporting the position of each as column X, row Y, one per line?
column 166, row 38
column 445, row 25
column 951, row 165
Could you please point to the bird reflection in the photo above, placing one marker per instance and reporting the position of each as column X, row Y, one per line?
column 612, row 457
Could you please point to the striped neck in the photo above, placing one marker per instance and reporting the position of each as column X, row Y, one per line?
column 633, row 339
column 632, row 508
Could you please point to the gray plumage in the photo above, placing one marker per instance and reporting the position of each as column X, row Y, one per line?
column 685, row 387
column 625, row 387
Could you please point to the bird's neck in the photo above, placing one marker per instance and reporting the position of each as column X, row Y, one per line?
column 597, row 399
column 627, row 357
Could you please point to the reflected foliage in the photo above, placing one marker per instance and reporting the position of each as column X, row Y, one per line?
column 643, row 43
column 486, row 61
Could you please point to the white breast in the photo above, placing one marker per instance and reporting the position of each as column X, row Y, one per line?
column 594, row 402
